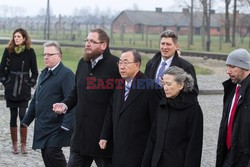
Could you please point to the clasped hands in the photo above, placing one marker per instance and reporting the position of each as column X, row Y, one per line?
column 59, row 108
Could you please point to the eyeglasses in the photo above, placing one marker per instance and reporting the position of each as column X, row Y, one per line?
column 49, row 54
column 90, row 41
column 125, row 63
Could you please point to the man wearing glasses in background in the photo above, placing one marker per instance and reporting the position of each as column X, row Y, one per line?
column 166, row 57
column 51, row 131
column 91, row 104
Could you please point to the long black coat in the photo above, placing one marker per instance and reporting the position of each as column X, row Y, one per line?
column 152, row 66
column 18, row 86
column 50, row 90
column 130, row 122
column 91, row 104
column 241, row 132
column 176, row 137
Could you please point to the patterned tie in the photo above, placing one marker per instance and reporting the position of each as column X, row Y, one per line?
column 127, row 88
column 161, row 72
column 231, row 119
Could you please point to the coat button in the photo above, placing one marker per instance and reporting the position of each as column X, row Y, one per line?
column 91, row 74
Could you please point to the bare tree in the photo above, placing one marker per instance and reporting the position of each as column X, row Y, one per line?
column 191, row 31
column 206, row 4
column 208, row 21
column 243, row 25
column 47, row 22
column 234, row 23
column 227, row 21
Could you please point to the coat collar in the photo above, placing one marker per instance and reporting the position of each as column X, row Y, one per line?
column 229, row 87
column 54, row 72
column 182, row 101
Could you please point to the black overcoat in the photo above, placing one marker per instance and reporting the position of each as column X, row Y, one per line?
column 176, row 137
column 91, row 96
column 130, row 122
column 51, row 89
column 241, row 133
column 152, row 66
column 18, row 73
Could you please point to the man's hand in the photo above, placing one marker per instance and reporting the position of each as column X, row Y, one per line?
column 103, row 144
column 60, row 108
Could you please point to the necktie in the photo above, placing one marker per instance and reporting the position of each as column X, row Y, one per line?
column 48, row 73
column 231, row 119
column 161, row 72
column 93, row 63
column 127, row 88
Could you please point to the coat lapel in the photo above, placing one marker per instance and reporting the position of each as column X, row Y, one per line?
column 43, row 77
column 133, row 94
column 40, row 81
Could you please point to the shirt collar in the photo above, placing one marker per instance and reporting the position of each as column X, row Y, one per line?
column 168, row 61
column 97, row 59
column 54, row 67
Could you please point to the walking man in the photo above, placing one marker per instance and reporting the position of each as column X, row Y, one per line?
column 234, row 135
column 51, row 131
column 91, row 96
column 131, row 113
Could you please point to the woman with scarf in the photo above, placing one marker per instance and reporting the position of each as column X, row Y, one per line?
column 18, row 73
column 176, row 137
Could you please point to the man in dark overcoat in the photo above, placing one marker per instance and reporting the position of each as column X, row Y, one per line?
column 91, row 95
column 51, row 131
column 168, row 56
column 233, row 148
column 131, row 113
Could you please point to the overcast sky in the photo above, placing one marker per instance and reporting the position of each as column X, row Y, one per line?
column 66, row 7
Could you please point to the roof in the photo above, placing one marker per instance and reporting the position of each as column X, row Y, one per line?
column 152, row 18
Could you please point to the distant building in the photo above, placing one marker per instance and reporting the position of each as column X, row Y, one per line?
column 154, row 22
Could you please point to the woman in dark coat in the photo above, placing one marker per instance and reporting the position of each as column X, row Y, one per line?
column 176, row 138
column 18, row 73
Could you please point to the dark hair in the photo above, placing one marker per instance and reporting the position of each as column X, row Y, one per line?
column 27, row 42
column 181, row 77
column 170, row 34
column 103, row 36
column 55, row 44
column 135, row 53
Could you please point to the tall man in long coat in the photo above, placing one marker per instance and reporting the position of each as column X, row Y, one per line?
column 52, row 131
column 91, row 96
column 131, row 113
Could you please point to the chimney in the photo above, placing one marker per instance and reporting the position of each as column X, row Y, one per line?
column 212, row 11
column 158, row 10
column 185, row 10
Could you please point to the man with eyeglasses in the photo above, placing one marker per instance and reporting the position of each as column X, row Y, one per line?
column 51, row 131
column 91, row 104
column 131, row 113
column 168, row 56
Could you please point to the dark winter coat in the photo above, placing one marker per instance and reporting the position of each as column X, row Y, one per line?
column 91, row 96
column 176, row 137
column 18, row 73
column 152, row 66
column 130, row 122
column 241, row 132
column 51, row 89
